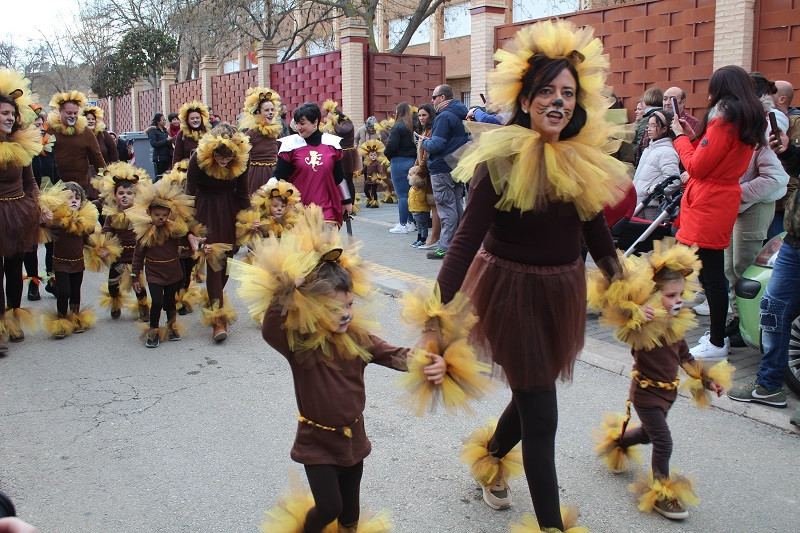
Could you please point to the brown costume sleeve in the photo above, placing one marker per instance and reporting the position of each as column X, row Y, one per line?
column 93, row 150
column 111, row 148
column 192, row 175
column 29, row 182
column 243, row 191
column 272, row 330
column 177, row 152
column 138, row 259
column 385, row 354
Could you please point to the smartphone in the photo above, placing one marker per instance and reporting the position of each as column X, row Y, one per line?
column 417, row 135
column 483, row 98
column 675, row 109
column 773, row 123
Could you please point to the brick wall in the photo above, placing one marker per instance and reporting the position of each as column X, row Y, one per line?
column 123, row 112
column 395, row 78
column 308, row 79
column 777, row 41
column 146, row 109
column 228, row 92
column 185, row 91
column 651, row 43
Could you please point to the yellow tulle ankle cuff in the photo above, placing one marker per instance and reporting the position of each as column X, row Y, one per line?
column 608, row 448
column 485, row 468
column 569, row 517
column 675, row 487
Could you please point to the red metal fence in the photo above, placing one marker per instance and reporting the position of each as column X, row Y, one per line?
column 228, row 91
column 308, row 79
column 651, row 43
column 185, row 91
column 146, row 109
column 395, row 78
column 776, row 46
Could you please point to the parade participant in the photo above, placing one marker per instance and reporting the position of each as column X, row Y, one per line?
column 274, row 208
column 716, row 157
column 75, row 147
column 19, row 213
column 107, row 144
column 646, row 307
column 117, row 185
column 373, row 171
column 300, row 286
column 312, row 161
column 161, row 215
column 217, row 178
column 194, row 124
column 537, row 189
column 337, row 123
column 70, row 219
column 258, row 121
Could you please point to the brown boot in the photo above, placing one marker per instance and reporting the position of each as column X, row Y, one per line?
column 77, row 326
column 220, row 332
column 3, row 344
column 144, row 311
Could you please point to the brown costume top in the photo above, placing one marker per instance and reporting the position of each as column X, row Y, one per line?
column 330, row 397
column 217, row 201
column 375, row 167
column 127, row 238
column 350, row 156
column 108, row 146
column 19, row 214
column 263, row 157
column 184, row 148
column 659, row 364
column 68, row 251
column 160, row 262
column 74, row 154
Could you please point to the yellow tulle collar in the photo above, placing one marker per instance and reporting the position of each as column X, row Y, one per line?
column 20, row 148
column 529, row 173
column 78, row 222
column 260, row 124
column 118, row 218
column 192, row 134
column 240, row 146
column 54, row 121
column 99, row 128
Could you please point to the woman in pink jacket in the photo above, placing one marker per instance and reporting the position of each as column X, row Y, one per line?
column 715, row 158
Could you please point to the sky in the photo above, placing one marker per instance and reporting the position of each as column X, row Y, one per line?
column 29, row 17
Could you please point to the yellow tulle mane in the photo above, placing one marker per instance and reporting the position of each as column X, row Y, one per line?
column 529, row 173
column 373, row 145
column 166, row 194
column 81, row 221
column 54, row 123
column 238, row 143
column 252, row 119
column 20, row 148
column 15, row 85
column 98, row 115
column 183, row 116
column 60, row 99
column 106, row 181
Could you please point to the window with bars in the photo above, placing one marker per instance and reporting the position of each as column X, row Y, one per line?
column 465, row 98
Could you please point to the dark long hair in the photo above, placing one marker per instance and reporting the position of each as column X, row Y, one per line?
column 156, row 118
column 5, row 99
column 541, row 72
column 403, row 112
column 431, row 115
column 733, row 91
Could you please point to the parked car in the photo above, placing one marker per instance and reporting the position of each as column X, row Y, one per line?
column 749, row 290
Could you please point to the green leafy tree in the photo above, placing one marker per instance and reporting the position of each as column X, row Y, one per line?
column 110, row 78
column 146, row 52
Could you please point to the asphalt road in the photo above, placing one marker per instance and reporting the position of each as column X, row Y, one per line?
column 100, row 434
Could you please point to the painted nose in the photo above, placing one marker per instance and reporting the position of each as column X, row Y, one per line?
column 558, row 102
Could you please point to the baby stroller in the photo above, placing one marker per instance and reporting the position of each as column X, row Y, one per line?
column 636, row 235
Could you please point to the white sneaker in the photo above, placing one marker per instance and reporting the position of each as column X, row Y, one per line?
column 702, row 309
column 400, row 228
column 497, row 496
column 708, row 352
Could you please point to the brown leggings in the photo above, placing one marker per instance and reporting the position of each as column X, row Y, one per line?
column 215, row 282
column 654, row 429
column 336, row 495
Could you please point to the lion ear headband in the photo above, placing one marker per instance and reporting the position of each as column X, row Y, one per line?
column 276, row 192
column 331, row 256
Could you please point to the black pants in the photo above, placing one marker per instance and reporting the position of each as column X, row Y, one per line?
column 161, row 167
column 336, row 495
column 371, row 190
column 351, row 186
column 69, row 291
column 712, row 277
column 31, row 261
column 187, row 264
column 654, row 429
column 48, row 257
column 162, row 297
column 114, row 273
column 532, row 417
column 11, row 273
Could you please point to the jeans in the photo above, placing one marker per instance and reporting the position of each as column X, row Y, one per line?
column 780, row 305
column 776, row 227
column 448, row 195
column 423, row 220
column 400, row 167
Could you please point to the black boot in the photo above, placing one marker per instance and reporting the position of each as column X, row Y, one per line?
column 733, row 333
column 50, row 286
column 33, row 290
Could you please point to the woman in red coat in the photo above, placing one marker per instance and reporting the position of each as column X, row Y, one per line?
column 715, row 158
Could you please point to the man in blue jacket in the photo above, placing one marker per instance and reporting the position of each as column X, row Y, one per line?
column 447, row 135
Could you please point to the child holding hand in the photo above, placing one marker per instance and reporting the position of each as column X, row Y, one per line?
column 305, row 279
column 657, row 283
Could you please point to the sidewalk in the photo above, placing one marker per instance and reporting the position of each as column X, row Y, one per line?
column 398, row 267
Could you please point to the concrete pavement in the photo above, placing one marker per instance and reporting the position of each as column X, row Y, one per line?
column 98, row 433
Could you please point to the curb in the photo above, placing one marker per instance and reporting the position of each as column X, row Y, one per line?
column 617, row 360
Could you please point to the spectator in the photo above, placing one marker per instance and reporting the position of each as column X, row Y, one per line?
column 480, row 115
column 401, row 153
column 638, row 115
column 715, row 158
column 174, row 124
column 122, row 148
column 448, row 134
column 161, row 142
column 213, row 119
column 285, row 130
column 427, row 114
column 783, row 100
column 780, row 304
column 366, row 132
column 680, row 94
column 659, row 160
column 652, row 99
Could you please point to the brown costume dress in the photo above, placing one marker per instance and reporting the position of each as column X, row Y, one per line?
column 185, row 146
column 68, row 251
column 217, row 201
column 527, row 282
column 263, row 157
column 160, row 262
column 74, row 153
column 350, row 157
column 19, row 212
column 330, row 397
